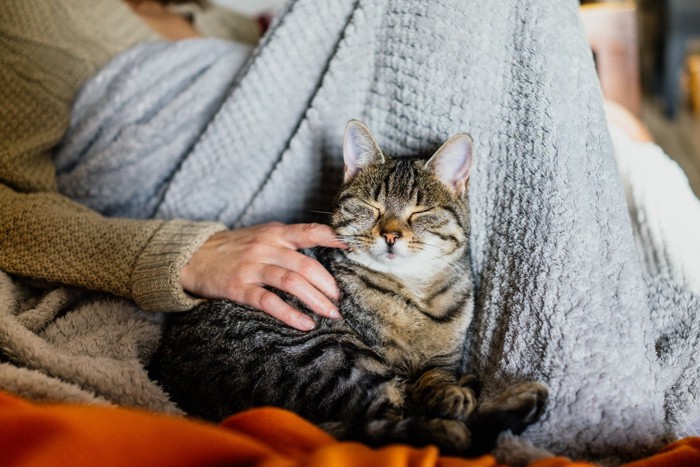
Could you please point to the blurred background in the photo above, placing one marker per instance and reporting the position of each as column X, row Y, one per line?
column 647, row 54
column 251, row 7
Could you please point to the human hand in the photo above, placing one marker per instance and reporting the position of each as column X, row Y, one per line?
column 236, row 264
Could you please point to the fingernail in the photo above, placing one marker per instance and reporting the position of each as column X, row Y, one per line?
column 306, row 323
column 335, row 314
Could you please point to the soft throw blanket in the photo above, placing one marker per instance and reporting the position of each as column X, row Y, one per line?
column 562, row 295
column 130, row 438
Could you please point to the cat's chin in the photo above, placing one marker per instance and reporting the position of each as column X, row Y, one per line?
column 390, row 258
column 386, row 262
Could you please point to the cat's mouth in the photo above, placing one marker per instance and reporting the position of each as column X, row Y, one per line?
column 387, row 255
column 391, row 251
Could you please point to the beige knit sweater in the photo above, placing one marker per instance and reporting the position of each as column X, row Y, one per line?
column 48, row 49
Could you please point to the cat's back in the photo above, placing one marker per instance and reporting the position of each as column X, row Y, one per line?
column 223, row 357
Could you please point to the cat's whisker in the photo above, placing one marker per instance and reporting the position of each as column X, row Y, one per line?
column 456, row 269
column 421, row 245
column 358, row 238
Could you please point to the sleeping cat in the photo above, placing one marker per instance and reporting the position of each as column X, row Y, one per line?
column 386, row 372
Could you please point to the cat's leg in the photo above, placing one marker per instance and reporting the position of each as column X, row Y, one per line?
column 385, row 421
column 435, row 412
column 439, row 394
column 452, row 437
column 515, row 409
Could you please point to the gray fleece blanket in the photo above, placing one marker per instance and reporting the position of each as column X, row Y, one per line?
column 207, row 130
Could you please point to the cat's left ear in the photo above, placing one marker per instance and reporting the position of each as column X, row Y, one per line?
column 452, row 163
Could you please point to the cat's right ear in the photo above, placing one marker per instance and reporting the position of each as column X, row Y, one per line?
column 359, row 149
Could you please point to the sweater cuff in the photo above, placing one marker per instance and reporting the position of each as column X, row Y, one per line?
column 155, row 282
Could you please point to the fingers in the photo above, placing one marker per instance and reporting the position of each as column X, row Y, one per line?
column 295, row 284
column 236, row 264
column 295, row 236
column 266, row 301
column 310, row 235
column 309, row 269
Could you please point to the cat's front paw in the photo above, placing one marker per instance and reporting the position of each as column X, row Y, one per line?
column 439, row 394
column 450, row 401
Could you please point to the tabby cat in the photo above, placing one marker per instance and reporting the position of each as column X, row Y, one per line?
column 386, row 372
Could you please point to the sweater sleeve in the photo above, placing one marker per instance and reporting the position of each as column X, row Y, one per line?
column 44, row 235
column 47, row 236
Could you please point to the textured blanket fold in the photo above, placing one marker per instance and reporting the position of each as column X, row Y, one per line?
column 260, row 437
column 562, row 295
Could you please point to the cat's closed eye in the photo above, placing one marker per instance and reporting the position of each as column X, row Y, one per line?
column 360, row 209
column 420, row 211
column 434, row 217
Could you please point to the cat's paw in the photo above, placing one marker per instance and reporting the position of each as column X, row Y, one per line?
column 450, row 401
column 438, row 394
column 470, row 381
column 514, row 409
column 451, row 436
column 534, row 396
column 526, row 400
column 518, row 406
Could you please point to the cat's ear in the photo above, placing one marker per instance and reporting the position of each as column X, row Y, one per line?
column 452, row 163
column 359, row 149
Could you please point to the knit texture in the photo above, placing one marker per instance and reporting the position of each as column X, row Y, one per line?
column 561, row 294
column 47, row 50
column 666, row 219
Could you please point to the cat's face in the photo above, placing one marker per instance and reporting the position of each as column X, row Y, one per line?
column 407, row 217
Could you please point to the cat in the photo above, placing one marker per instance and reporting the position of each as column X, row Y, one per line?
column 386, row 372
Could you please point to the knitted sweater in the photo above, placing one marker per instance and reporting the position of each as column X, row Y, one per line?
column 47, row 50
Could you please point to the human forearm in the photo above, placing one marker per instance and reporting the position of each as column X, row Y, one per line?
column 46, row 236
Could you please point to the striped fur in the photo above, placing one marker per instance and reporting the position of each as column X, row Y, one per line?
column 384, row 373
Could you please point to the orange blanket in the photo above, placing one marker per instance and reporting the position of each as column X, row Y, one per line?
column 80, row 436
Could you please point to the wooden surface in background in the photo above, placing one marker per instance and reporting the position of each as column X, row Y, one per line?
column 680, row 138
column 611, row 30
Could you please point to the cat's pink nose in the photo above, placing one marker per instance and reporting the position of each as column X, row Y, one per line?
column 391, row 237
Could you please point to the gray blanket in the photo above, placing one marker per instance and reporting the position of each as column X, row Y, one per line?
column 206, row 130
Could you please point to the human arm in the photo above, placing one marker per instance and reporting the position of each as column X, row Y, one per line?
column 44, row 235
column 237, row 264
column 48, row 236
